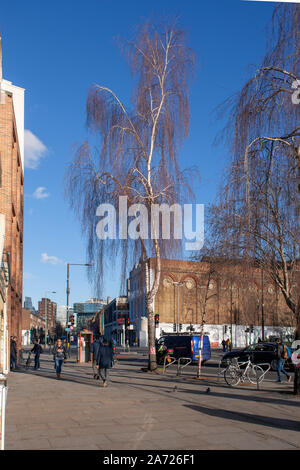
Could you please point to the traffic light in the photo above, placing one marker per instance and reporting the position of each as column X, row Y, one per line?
column 225, row 328
column 251, row 328
column 180, row 326
column 128, row 321
column 156, row 319
column 174, row 326
column 72, row 319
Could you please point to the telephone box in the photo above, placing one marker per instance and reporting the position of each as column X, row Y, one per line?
column 84, row 343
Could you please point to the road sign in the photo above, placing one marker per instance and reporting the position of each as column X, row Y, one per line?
column 68, row 329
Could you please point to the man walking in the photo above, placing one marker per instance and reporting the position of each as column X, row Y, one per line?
column 281, row 356
column 37, row 350
column 13, row 353
column 95, row 350
column 104, row 361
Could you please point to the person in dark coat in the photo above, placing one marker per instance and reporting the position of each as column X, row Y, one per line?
column 104, row 361
column 13, row 353
column 95, row 350
column 37, row 349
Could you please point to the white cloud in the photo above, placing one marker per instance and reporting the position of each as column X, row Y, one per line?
column 34, row 150
column 40, row 193
column 50, row 259
column 28, row 276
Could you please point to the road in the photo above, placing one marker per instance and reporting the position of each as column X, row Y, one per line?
column 146, row 411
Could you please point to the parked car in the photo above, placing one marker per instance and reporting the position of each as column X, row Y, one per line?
column 182, row 346
column 259, row 353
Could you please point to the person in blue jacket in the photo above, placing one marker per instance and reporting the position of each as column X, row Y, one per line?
column 104, row 361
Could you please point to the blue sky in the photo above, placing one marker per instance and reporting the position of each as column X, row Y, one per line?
column 56, row 50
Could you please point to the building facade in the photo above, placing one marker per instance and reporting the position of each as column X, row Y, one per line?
column 12, row 192
column 62, row 315
column 32, row 325
column 48, row 310
column 225, row 295
column 85, row 311
column 116, row 315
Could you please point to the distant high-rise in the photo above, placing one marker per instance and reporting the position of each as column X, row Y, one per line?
column 48, row 308
column 62, row 314
column 86, row 310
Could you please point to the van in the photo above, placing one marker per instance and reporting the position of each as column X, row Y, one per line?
column 182, row 346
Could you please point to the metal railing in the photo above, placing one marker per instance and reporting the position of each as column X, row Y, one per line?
column 180, row 365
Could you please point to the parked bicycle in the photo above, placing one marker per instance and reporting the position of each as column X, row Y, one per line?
column 237, row 372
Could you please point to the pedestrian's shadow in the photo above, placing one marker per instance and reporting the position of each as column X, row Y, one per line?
column 286, row 424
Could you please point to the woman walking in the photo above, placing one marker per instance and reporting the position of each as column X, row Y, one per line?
column 59, row 356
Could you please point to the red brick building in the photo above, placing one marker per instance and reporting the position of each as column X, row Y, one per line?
column 230, row 296
column 47, row 308
column 11, row 193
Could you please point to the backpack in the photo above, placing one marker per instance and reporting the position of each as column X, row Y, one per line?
column 284, row 353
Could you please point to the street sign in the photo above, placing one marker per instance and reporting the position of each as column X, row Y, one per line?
column 68, row 329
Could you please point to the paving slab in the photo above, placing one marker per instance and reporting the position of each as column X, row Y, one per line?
column 145, row 411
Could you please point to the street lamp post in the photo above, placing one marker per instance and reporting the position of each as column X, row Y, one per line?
column 178, row 284
column 46, row 315
column 68, row 296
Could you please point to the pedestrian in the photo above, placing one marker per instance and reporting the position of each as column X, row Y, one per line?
column 224, row 345
column 94, row 350
column 112, row 344
column 37, row 350
column 13, row 353
column 59, row 356
column 227, row 344
column 104, row 361
column 282, row 355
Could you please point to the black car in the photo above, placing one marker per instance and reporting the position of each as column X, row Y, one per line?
column 260, row 353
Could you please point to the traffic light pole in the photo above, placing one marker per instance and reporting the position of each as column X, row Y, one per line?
column 68, row 296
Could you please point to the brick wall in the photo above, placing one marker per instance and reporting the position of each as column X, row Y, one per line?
column 11, row 205
column 222, row 286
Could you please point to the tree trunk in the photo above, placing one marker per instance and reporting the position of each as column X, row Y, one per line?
column 150, row 296
column 151, row 336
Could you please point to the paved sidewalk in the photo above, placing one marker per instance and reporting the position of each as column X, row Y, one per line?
column 144, row 411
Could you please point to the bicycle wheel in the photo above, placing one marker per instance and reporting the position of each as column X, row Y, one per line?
column 255, row 373
column 232, row 375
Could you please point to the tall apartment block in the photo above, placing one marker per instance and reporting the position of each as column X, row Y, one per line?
column 11, row 193
column 48, row 308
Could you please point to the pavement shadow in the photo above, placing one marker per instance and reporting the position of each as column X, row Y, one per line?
column 286, row 424
column 273, row 400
